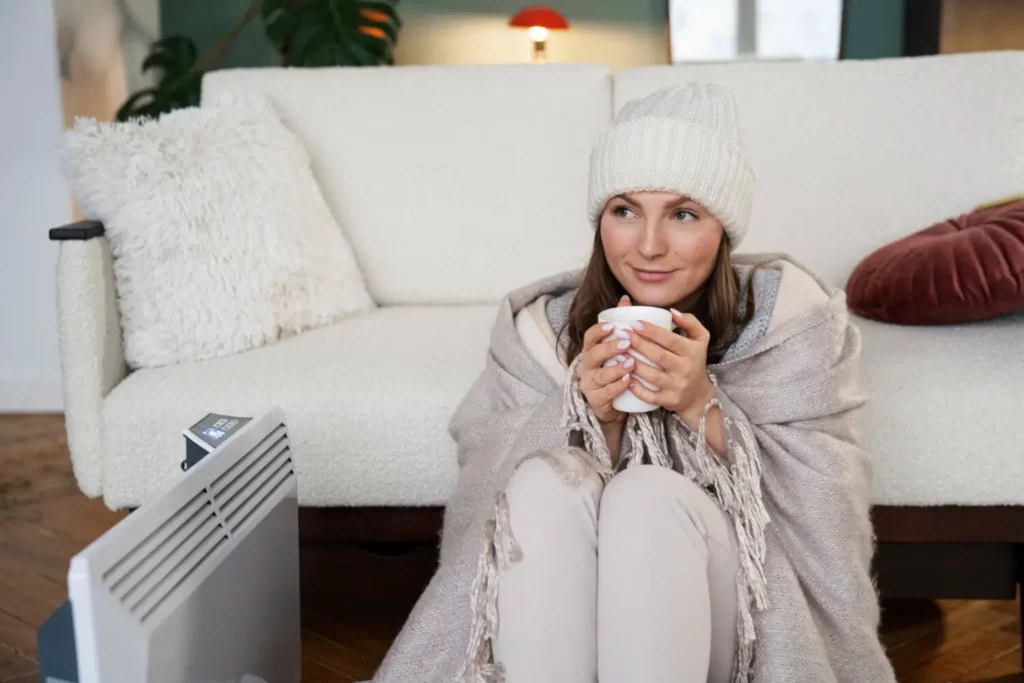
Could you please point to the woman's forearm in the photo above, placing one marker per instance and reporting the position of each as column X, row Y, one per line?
column 613, row 438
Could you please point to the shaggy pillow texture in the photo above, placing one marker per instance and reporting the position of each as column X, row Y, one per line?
column 221, row 238
column 963, row 269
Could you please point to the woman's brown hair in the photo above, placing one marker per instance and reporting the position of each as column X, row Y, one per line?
column 717, row 306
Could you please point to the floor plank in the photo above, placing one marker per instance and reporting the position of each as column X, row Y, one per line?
column 1003, row 669
column 974, row 621
column 17, row 634
column 358, row 666
column 13, row 665
column 44, row 520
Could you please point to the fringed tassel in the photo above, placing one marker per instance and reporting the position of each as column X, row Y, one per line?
column 500, row 551
column 735, row 482
column 505, row 545
column 753, row 517
column 644, row 442
column 578, row 417
column 479, row 666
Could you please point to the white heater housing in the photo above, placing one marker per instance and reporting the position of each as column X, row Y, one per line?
column 200, row 584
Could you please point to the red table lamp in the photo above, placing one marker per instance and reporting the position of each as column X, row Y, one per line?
column 539, row 21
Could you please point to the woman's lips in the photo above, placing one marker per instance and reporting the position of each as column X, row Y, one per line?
column 652, row 275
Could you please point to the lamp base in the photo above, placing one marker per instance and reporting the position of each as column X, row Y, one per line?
column 540, row 54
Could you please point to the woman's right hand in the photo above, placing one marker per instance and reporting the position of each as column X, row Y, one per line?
column 601, row 385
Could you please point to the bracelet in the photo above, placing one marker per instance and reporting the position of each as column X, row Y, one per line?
column 702, row 427
column 707, row 408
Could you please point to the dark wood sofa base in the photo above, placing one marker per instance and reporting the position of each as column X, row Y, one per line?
column 923, row 553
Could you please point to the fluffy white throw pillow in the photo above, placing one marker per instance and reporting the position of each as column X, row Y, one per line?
column 222, row 240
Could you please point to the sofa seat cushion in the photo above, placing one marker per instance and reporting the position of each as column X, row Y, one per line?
column 944, row 412
column 367, row 402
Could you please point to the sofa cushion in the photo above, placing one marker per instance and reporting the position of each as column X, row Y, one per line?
column 455, row 184
column 970, row 267
column 852, row 155
column 222, row 240
column 944, row 412
column 367, row 403
column 368, row 419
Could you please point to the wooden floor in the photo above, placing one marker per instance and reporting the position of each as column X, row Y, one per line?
column 44, row 520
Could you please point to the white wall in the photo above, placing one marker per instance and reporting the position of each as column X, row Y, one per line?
column 33, row 198
column 463, row 38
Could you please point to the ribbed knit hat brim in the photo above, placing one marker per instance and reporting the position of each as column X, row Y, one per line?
column 682, row 140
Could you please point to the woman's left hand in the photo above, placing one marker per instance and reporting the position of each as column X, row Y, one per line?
column 683, row 385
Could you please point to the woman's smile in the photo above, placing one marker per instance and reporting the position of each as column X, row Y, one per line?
column 651, row 274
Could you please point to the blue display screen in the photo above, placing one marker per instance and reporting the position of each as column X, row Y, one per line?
column 214, row 433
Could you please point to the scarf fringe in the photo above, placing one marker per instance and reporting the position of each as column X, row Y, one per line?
column 735, row 483
column 479, row 666
column 579, row 418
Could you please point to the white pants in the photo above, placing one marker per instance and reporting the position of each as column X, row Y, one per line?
column 632, row 583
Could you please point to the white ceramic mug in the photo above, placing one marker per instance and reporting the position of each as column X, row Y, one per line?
column 622, row 318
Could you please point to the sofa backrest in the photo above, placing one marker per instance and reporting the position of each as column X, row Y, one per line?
column 852, row 155
column 454, row 184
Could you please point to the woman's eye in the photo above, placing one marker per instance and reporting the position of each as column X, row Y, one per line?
column 623, row 212
column 684, row 215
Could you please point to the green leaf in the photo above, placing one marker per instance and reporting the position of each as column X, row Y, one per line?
column 178, row 85
column 332, row 32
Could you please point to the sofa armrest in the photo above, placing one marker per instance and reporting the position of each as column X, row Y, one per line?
column 91, row 351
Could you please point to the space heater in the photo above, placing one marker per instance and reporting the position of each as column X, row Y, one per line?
column 201, row 583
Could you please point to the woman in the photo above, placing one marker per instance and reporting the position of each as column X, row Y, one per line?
column 722, row 537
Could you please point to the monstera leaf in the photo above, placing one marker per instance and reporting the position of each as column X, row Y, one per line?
column 332, row 32
column 178, row 85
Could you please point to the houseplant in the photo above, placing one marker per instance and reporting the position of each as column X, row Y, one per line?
column 305, row 33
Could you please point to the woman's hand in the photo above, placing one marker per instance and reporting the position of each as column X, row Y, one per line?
column 683, row 385
column 601, row 385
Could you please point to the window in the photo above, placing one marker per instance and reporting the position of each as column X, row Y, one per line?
column 719, row 30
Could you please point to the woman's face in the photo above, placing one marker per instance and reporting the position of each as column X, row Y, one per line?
column 660, row 246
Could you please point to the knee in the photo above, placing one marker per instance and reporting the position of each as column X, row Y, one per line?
column 552, row 485
column 650, row 492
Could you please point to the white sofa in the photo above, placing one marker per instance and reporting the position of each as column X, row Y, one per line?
column 456, row 184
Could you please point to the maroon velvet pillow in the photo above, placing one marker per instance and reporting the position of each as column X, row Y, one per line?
column 963, row 269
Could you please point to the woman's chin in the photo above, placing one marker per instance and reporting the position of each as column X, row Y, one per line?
column 648, row 294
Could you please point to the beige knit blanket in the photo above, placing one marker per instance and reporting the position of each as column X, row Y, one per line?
column 795, row 483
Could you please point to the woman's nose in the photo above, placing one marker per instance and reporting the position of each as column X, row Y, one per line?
column 652, row 241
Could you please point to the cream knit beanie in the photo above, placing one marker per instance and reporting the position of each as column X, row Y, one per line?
column 684, row 139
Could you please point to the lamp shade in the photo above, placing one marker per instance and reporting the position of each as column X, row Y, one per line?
column 539, row 16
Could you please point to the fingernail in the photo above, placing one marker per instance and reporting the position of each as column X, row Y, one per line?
column 613, row 361
column 624, row 344
column 625, row 378
column 607, row 327
column 637, row 325
column 620, row 358
column 628, row 363
column 675, row 312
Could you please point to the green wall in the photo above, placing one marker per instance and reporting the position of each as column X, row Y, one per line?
column 872, row 28
column 208, row 21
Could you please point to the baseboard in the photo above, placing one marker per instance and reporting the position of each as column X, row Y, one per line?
column 24, row 395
